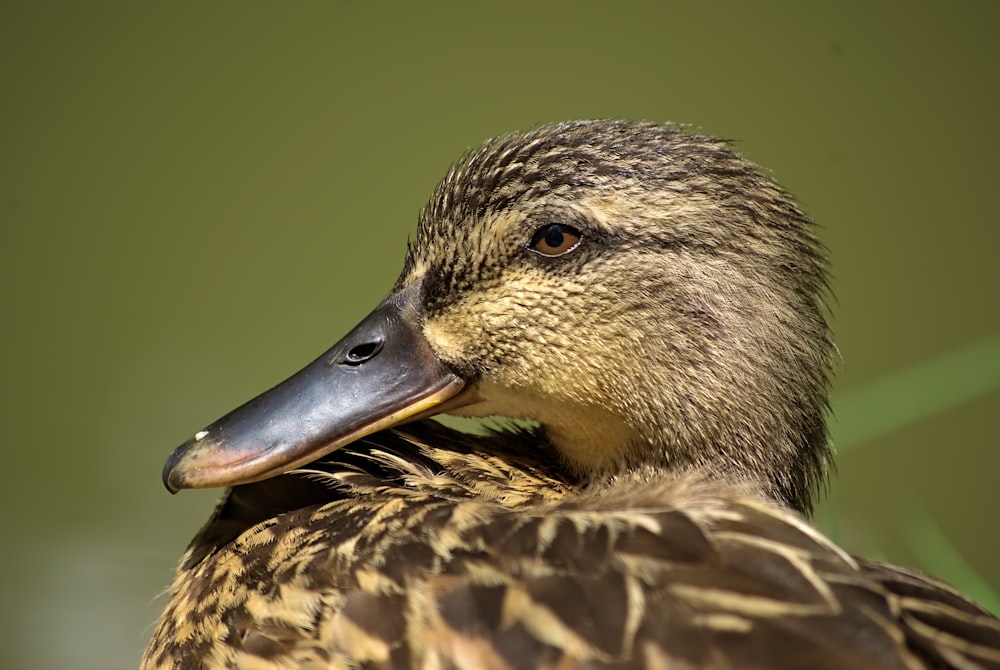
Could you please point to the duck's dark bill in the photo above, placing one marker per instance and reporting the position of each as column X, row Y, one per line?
column 381, row 374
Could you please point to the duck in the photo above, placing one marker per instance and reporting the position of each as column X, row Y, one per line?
column 640, row 315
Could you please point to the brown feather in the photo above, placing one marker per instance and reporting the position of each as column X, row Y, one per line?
column 414, row 563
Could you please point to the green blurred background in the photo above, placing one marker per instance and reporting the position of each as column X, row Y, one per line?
column 196, row 199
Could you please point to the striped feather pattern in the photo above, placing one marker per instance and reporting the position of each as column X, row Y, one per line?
column 424, row 552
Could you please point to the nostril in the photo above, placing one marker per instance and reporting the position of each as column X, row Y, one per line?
column 363, row 352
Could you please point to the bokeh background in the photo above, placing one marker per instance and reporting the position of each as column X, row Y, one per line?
column 198, row 198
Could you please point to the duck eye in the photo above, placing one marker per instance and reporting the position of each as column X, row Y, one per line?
column 555, row 239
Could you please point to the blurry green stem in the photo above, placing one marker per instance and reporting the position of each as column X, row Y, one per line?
column 902, row 398
column 939, row 555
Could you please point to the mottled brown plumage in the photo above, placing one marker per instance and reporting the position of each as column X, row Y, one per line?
column 676, row 359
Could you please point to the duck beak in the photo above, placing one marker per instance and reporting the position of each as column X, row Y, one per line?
column 381, row 374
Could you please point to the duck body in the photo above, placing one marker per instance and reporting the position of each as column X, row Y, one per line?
column 432, row 552
column 653, row 303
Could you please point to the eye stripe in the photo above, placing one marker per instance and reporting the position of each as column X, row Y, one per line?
column 555, row 239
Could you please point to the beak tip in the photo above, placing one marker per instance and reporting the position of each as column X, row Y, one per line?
column 173, row 478
column 171, row 489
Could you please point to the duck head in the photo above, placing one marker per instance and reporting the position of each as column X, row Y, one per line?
column 643, row 293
